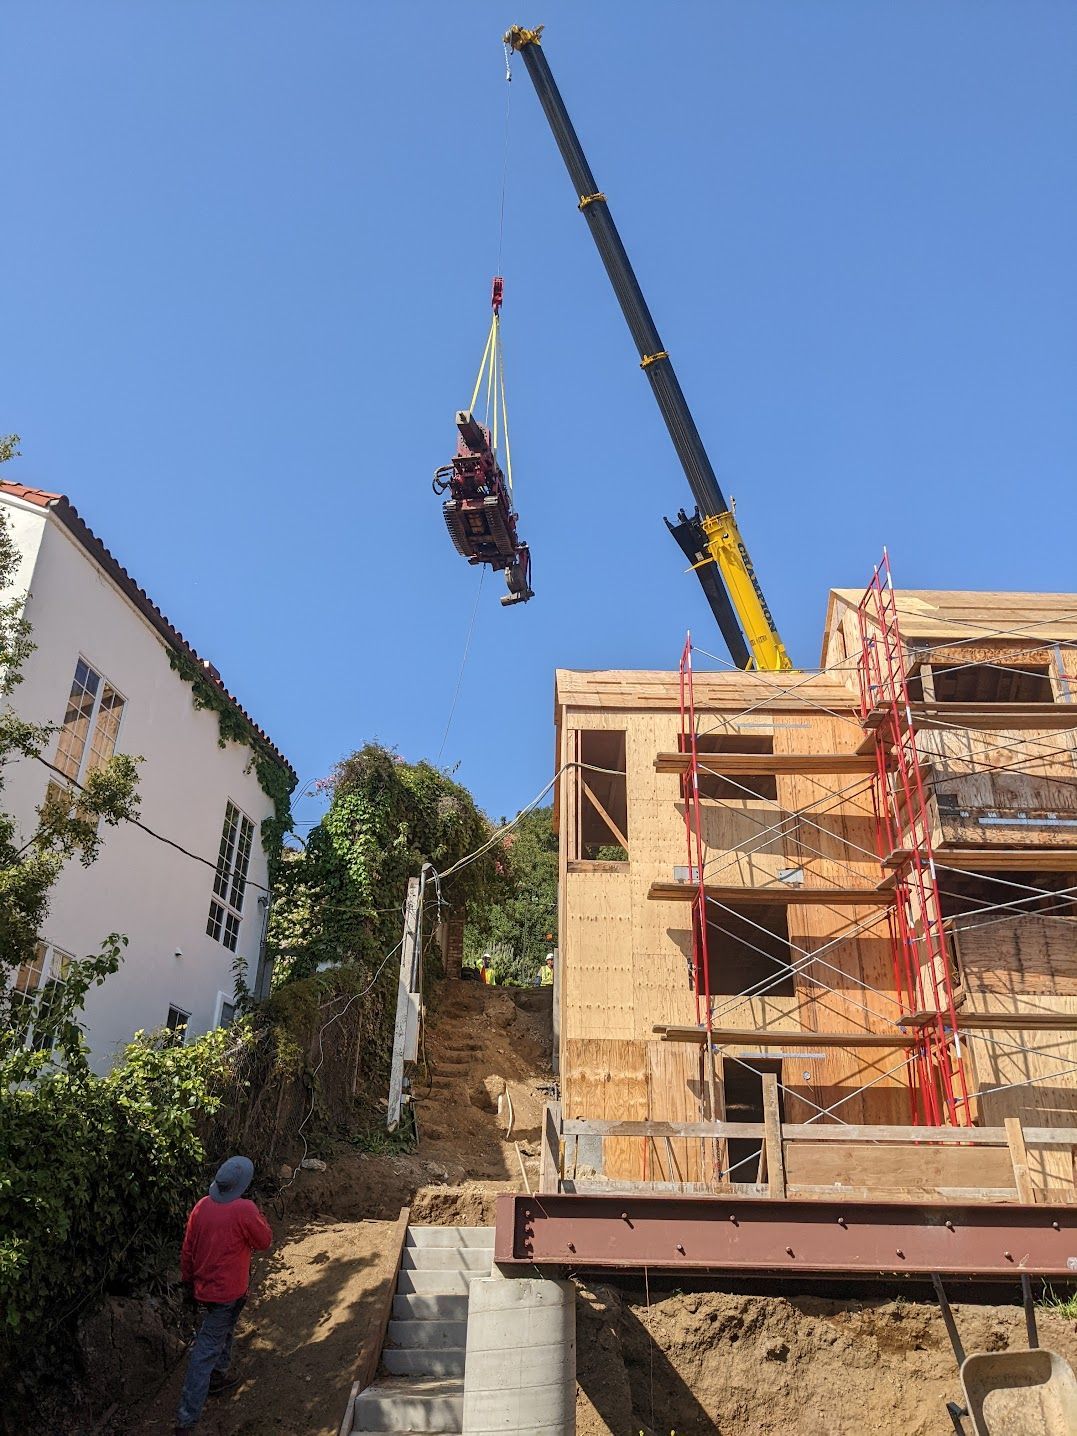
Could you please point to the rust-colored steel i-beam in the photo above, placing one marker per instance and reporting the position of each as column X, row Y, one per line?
column 766, row 1237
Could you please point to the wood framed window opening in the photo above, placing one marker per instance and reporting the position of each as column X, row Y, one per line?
column 742, row 1083
column 1005, row 682
column 598, row 821
column 744, row 785
column 749, row 949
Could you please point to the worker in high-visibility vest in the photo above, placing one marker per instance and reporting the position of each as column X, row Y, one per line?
column 546, row 975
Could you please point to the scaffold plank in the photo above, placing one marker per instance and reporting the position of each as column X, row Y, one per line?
column 1029, row 1020
column 765, row 896
column 775, row 1037
column 761, row 764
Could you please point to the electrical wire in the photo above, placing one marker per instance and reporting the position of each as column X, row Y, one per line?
column 137, row 823
column 300, row 1133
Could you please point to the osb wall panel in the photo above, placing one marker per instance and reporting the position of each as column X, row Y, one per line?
column 982, row 772
column 626, row 959
column 1017, row 957
column 845, row 979
column 1026, row 964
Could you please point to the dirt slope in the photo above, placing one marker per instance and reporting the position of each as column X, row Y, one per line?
column 314, row 1296
column 796, row 1365
column 683, row 1361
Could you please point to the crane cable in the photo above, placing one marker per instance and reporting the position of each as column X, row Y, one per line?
column 492, row 366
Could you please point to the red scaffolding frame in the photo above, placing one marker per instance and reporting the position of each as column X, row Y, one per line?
column 921, row 955
column 694, row 839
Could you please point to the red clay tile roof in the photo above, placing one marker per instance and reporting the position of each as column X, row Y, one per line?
column 68, row 515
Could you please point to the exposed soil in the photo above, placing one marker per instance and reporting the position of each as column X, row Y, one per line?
column 315, row 1296
column 651, row 1362
column 800, row 1365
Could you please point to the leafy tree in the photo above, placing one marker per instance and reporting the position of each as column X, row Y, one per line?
column 519, row 927
column 341, row 900
column 95, row 1173
column 68, row 826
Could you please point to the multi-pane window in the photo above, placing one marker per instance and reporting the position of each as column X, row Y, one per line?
column 33, row 990
column 233, row 861
column 176, row 1023
column 91, row 724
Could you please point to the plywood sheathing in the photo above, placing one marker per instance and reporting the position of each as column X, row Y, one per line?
column 624, row 959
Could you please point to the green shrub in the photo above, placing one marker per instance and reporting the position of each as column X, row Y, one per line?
column 97, row 1175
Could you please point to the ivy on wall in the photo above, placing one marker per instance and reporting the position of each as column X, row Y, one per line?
column 274, row 779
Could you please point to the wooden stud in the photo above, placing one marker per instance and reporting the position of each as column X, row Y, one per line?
column 550, row 1163
column 600, row 810
column 773, row 1142
column 1015, row 1140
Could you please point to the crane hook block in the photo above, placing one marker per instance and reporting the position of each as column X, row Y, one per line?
column 497, row 294
column 478, row 510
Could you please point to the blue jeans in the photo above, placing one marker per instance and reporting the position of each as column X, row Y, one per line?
column 212, row 1351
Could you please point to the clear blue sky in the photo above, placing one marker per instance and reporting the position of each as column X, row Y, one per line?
column 247, row 252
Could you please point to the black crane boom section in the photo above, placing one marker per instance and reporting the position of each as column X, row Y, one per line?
column 654, row 360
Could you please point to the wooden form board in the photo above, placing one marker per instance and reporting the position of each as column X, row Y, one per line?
column 863, row 1169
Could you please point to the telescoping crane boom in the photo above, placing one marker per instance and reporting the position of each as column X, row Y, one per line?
column 709, row 537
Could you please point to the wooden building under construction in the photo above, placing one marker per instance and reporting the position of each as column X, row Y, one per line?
column 810, row 920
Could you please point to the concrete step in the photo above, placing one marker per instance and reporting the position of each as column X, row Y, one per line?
column 412, row 1334
column 450, row 1237
column 437, row 1283
column 424, row 1360
column 398, row 1403
column 447, row 1259
column 420, row 1306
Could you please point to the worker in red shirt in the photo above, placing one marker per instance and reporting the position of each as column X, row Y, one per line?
column 222, row 1231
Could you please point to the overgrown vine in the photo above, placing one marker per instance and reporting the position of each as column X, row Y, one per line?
column 275, row 780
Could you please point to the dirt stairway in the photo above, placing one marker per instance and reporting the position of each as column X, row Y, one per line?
column 422, row 1389
column 484, row 1044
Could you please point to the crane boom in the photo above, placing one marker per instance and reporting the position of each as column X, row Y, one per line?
column 710, row 537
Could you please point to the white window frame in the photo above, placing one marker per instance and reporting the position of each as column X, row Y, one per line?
column 180, row 1029
column 223, row 1001
column 229, row 893
column 54, row 962
column 87, row 747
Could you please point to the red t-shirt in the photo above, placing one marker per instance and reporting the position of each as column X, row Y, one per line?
column 217, row 1247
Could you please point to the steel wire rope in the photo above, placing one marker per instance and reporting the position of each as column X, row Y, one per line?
column 795, row 815
column 783, row 690
column 798, row 967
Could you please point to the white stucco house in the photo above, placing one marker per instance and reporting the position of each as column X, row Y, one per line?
column 193, row 899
